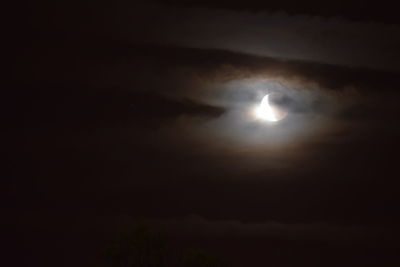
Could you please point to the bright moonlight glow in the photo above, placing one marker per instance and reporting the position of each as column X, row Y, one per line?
column 267, row 112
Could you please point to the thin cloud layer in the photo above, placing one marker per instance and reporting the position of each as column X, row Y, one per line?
column 279, row 35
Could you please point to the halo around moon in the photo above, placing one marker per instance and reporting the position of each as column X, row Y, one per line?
column 269, row 112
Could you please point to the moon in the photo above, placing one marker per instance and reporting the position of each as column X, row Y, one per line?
column 269, row 112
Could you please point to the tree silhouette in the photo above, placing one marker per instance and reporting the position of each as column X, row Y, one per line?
column 141, row 247
column 138, row 248
column 196, row 258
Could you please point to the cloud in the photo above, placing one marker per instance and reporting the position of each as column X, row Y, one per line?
column 295, row 37
column 197, row 226
column 334, row 40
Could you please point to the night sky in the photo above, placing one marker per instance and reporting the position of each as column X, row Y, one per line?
column 118, row 112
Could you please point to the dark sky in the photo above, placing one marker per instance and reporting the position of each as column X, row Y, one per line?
column 118, row 112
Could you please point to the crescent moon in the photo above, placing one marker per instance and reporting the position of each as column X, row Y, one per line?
column 268, row 112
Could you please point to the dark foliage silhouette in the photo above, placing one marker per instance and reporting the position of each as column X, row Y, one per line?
column 142, row 247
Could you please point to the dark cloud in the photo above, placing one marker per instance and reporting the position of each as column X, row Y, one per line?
column 75, row 108
column 279, row 35
column 347, row 9
column 201, row 227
